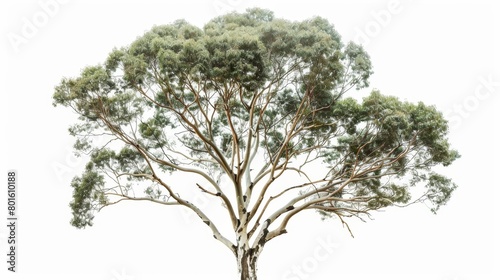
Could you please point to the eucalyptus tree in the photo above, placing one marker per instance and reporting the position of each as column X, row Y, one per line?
column 238, row 106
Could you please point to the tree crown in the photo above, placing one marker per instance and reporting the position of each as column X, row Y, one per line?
column 239, row 103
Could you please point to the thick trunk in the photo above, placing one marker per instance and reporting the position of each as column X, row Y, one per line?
column 247, row 264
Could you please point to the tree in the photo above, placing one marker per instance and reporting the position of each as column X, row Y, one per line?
column 239, row 105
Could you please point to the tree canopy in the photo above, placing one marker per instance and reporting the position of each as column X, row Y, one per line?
column 239, row 104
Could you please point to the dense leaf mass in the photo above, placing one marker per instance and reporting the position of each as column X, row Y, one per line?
column 237, row 104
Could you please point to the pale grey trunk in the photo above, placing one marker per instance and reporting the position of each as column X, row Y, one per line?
column 247, row 264
column 246, row 257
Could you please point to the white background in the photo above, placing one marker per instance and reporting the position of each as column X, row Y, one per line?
column 440, row 53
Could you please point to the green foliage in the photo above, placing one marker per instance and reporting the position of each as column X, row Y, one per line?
column 86, row 191
column 440, row 190
column 383, row 127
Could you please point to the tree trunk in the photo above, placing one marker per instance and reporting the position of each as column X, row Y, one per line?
column 247, row 264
